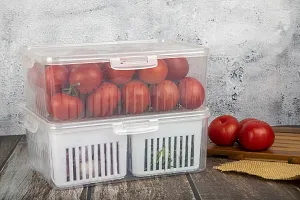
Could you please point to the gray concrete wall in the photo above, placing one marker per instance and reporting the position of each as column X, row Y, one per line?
column 254, row 65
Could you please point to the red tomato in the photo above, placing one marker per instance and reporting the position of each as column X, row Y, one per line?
column 135, row 97
column 35, row 76
column 242, row 122
column 56, row 78
column 104, row 101
column 66, row 107
column 118, row 76
column 223, row 130
column 256, row 135
column 164, row 96
column 87, row 77
column 191, row 92
column 154, row 75
column 178, row 68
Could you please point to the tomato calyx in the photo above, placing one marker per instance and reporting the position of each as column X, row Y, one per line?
column 71, row 90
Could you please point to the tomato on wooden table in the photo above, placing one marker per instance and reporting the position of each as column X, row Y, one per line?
column 256, row 135
column 223, row 130
column 244, row 121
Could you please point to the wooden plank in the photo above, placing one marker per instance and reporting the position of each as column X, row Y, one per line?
column 7, row 145
column 286, row 134
column 283, row 145
column 286, row 148
column 214, row 149
column 271, row 154
column 286, row 142
column 213, row 184
column 18, row 181
column 167, row 187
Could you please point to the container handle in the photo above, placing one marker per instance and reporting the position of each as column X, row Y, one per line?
column 121, row 129
column 133, row 64
column 30, row 124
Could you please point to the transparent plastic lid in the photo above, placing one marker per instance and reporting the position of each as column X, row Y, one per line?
column 121, row 124
column 110, row 51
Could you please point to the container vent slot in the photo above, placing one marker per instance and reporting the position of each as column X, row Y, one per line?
column 92, row 161
column 167, row 153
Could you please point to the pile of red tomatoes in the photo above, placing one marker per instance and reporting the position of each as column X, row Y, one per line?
column 98, row 90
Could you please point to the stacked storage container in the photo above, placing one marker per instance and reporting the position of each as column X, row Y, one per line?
column 102, row 112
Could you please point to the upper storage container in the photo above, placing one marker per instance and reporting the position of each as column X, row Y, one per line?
column 76, row 82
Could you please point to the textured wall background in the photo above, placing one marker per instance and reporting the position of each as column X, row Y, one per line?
column 255, row 57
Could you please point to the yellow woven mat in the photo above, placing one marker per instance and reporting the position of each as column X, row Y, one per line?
column 267, row 170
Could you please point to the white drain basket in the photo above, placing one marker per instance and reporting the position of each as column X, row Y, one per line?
column 176, row 144
column 74, row 154
column 77, row 154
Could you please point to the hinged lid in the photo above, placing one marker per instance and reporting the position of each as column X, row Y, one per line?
column 132, row 52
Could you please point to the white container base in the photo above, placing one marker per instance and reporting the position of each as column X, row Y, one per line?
column 73, row 157
column 75, row 154
column 96, row 157
column 177, row 146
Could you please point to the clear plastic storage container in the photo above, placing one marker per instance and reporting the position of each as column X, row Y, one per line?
column 75, row 82
column 78, row 153
column 102, row 112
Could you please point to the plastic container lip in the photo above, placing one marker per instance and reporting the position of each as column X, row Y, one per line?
column 103, row 52
column 161, row 117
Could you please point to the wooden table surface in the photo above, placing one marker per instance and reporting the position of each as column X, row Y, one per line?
column 18, row 181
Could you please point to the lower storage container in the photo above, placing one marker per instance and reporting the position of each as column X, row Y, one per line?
column 79, row 153
column 178, row 145
column 76, row 155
